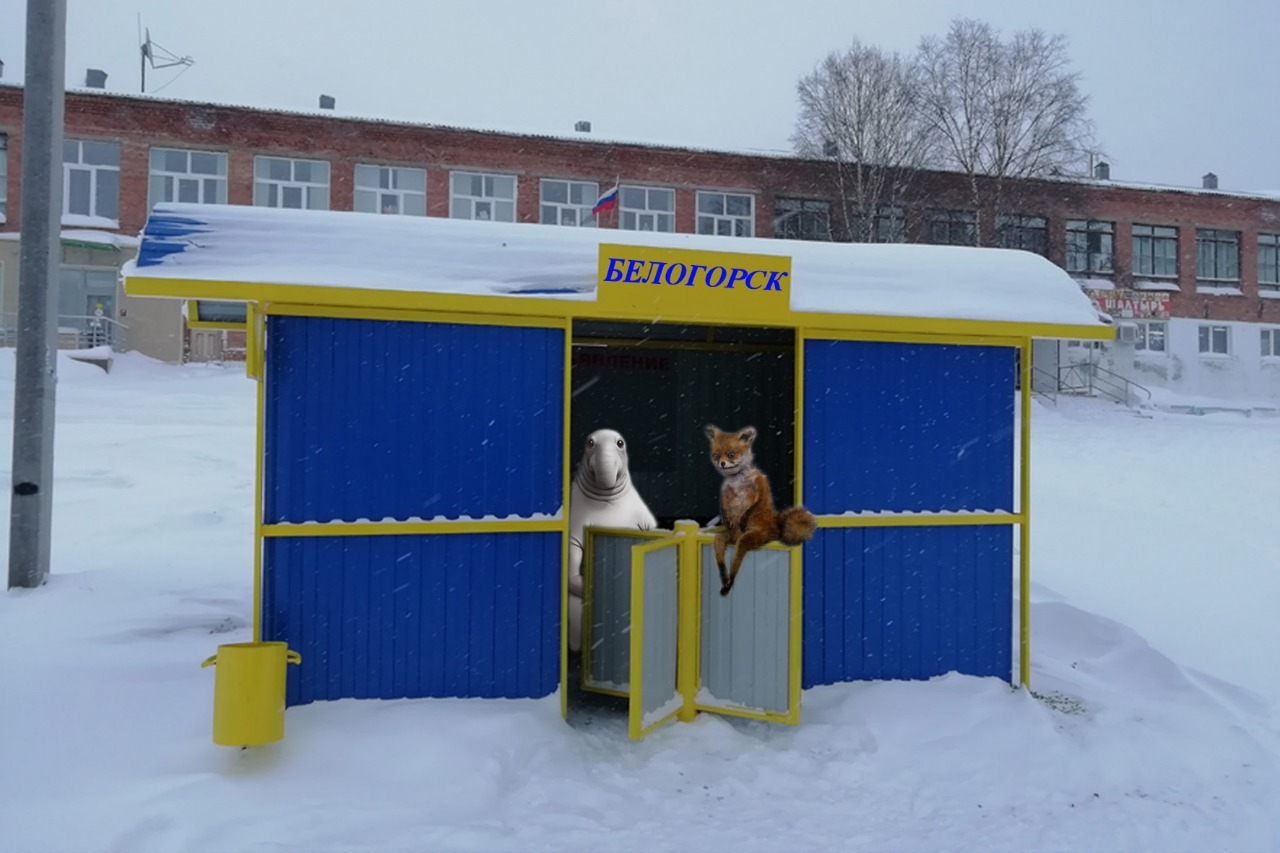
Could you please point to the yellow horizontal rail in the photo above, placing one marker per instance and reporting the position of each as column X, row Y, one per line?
column 411, row 528
column 920, row 519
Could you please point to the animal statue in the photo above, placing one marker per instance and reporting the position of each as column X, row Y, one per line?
column 602, row 495
column 746, row 504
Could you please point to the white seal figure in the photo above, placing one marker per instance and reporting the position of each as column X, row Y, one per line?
column 601, row 496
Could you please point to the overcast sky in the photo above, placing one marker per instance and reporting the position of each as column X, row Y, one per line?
column 1178, row 87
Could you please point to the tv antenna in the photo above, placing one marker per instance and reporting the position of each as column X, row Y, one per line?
column 158, row 57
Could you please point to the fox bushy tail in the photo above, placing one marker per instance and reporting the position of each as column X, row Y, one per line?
column 796, row 525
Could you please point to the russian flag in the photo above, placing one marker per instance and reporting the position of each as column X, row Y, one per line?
column 607, row 201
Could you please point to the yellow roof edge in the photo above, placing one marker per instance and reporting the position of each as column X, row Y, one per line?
column 338, row 298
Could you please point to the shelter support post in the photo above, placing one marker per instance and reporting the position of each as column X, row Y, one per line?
column 687, row 671
column 1024, row 529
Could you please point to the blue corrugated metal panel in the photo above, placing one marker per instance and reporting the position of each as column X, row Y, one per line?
column 376, row 419
column 167, row 234
column 907, row 602
column 894, row 426
column 408, row 616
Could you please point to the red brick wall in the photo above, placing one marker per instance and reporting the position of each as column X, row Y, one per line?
column 139, row 123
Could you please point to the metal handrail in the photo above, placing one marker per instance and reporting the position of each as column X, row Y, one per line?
column 81, row 330
column 1052, row 381
column 1091, row 378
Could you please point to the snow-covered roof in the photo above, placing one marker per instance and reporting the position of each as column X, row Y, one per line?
column 227, row 244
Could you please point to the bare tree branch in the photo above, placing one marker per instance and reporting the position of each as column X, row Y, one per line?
column 860, row 107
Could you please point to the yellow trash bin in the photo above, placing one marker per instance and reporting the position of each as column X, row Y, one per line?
column 248, row 692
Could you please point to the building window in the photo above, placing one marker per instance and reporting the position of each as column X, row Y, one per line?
column 1090, row 246
column 91, row 179
column 199, row 177
column 484, row 197
column 1271, row 343
column 726, row 214
column 1214, row 340
column 395, row 190
column 1155, row 251
column 801, row 219
column 1218, row 257
column 4, row 175
column 889, row 225
column 1028, row 233
column 568, row 202
column 295, row 184
column 953, row 228
column 1151, row 336
column 647, row 209
column 1268, row 261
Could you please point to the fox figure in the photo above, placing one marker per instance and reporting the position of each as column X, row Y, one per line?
column 746, row 504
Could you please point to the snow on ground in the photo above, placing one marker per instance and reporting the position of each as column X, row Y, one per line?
column 1154, row 637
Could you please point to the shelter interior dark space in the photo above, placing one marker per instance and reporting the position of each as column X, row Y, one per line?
column 659, row 384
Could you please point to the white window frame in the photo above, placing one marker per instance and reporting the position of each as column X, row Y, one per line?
column 714, row 217
column 4, row 176
column 1149, row 330
column 313, row 193
column 1218, row 257
column 206, row 183
column 486, row 205
column 1270, row 339
column 1153, row 236
column 954, row 223
column 812, row 219
column 375, row 185
column 1086, row 239
column 1209, row 337
column 96, row 173
column 636, row 209
column 1269, row 244
column 569, row 213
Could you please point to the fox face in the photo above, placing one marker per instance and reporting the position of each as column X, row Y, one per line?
column 731, row 451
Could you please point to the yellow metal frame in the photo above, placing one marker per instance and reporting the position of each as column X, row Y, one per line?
column 314, row 529
column 795, row 626
column 588, row 544
column 267, row 298
column 1021, row 518
column 194, row 321
column 256, row 356
column 635, row 707
column 920, row 519
column 400, row 302
column 1024, row 527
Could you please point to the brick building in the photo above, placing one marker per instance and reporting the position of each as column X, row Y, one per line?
column 1191, row 275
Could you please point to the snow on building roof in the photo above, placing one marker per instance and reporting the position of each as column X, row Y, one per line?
column 229, row 244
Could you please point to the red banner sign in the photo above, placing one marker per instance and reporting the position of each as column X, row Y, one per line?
column 1133, row 304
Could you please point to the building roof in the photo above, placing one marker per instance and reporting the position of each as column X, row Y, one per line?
column 332, row 258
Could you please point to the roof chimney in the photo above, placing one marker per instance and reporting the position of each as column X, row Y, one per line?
column 582, row 126
column 327, row 102
column 1102, row 171
column 95, row 78
column 1209, row 181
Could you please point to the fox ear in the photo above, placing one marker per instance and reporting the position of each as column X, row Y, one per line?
column 747, row 434
column 711, row 430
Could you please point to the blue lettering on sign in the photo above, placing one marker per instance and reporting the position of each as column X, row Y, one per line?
column 636, row 271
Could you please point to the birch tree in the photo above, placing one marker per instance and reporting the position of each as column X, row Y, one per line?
column 1005, row 110
column 860, row 108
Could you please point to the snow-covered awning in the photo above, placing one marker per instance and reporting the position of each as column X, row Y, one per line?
column 325, row 257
